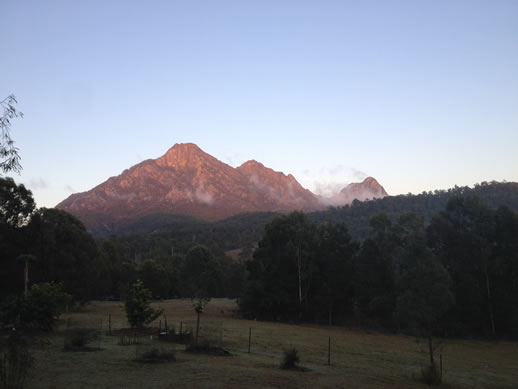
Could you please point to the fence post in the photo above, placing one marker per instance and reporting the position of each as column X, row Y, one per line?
column 440, row 364
column 329, row 352
column 160, row 326
column 180, row 326
column 249, row 338
column 165, row 325
column 110, row 324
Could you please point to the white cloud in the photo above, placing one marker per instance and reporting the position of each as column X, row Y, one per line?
column 40, row 183
column 203, row 196
column 330, row 180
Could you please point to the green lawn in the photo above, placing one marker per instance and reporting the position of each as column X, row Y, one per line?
column 359, row 359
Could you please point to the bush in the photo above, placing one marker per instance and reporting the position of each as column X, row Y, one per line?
column 290, row 359
column 204, row 347
column 78, row 338
column 15, row 362
column 156, row 355
column 39, row 308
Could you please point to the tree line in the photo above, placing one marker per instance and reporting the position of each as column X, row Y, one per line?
column 50, row 245
column 460, row 268
column 456, row 276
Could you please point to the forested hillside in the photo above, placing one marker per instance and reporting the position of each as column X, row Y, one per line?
column 427, row 204
column 244, row 231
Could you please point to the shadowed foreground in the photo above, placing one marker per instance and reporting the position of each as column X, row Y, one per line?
column 358, row 359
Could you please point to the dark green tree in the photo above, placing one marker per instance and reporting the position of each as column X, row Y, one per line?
column 156, row 276
column 17, row 208
column 67, row 253
column 424, row 294
column 16, row 204
column 374, row 283
column 281, row 270
column 200, row 274
column 138, row 306
column 334, row 274
column 461, row 236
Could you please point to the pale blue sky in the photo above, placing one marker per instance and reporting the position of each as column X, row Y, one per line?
column 422, row 95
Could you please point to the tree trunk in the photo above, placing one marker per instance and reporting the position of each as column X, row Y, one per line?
column 26, row 272
column 491, row 314
column 430, row 349
column 197, row 328
column 299, row 270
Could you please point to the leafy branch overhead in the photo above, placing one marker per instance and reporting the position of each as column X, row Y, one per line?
column 9, row 156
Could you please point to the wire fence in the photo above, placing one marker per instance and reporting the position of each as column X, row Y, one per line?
column 258, row 339
column 266, row 340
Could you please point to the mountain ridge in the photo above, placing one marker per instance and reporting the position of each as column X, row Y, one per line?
column 188, row 181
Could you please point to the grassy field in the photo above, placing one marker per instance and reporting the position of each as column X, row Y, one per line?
column 359, row 359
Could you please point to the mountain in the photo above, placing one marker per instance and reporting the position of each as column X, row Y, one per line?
column 187, row 181
column 368, row 189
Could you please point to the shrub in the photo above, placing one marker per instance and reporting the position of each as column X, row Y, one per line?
column 78, row 338
column 290, row 359
column 156, row 355
column 39, row 308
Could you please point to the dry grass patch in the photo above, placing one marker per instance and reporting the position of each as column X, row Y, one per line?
column 358, row 359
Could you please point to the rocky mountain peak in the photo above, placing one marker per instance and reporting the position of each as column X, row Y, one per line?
column 188, row 181
column 368, row 189
column 183, row 155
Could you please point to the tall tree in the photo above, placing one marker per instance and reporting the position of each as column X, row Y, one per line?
column 281, row 270
column 16, row 210
column 375, row 293
column 67, row 253
column 334, row 252
column 424, row 292
column 461, row 235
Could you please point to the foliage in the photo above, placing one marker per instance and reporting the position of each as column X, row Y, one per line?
column 156, row 355
column 282, row 268
column 68, row 254
column 16, row 204
column 9, row 157
column 199, row 273
column 39, row 308
column 358, row 215
column 300, row 271
column 290, row 358
column 15, row 362
column 478, row 247
column 78, row 338
column 64, row 250
column 458, row 276
column 138, row 306
column 16, row 212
